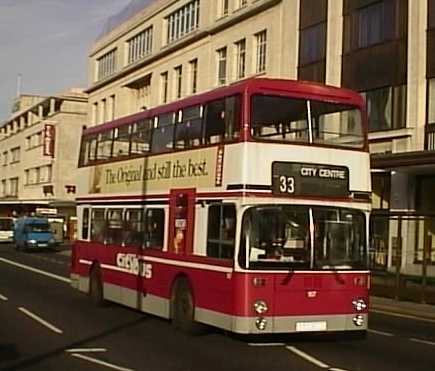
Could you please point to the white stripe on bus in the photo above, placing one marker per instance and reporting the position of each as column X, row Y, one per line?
column 188, row 264
column 217, row 268
column 83, row 261
column 177, row 263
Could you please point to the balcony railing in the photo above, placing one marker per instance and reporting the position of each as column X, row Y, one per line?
column 430, row 137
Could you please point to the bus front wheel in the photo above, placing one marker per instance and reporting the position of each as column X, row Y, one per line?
column 183, row 309
column 96, row 286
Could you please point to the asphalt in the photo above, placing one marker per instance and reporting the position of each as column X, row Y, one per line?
column 136, row 342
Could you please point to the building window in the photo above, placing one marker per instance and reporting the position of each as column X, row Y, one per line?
column 313, row 41
column 4, row 191
column 222, row 66
column 103, row 111
column 141, row 93
column 261, row 43
column 13, row 187
column 178, row 81
column 5, row 158
column 164, row 87
column 183, row 21
column 111, row 112
column 140, row 45
column 193, row 66
column 223, row 8
column 95, row 113
column 106, row 65
column 34, row 140
column 386, row 108
column 241, row 3
column 371, row 25
column 45, row 174
column 241, row 58
column 15, row 155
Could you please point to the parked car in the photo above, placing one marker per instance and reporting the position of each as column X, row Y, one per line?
column 33, row 233
column 6, row 229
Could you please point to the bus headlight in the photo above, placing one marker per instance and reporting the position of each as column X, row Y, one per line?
column 359, row 305
column 260, row 307
column 261, row 323
column 31, row 242
column 358, row 320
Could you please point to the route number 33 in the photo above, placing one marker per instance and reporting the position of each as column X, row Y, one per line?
column 286, row 184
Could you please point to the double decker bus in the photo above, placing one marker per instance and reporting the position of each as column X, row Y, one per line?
column 245, row 208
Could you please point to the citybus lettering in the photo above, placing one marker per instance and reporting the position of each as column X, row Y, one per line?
column 134, row 264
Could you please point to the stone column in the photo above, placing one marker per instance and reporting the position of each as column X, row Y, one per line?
column 334, row 42
column 52, row 105
column 416, row 88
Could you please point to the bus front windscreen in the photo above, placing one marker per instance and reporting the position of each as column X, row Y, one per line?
column 303, row 237
column 277, row 118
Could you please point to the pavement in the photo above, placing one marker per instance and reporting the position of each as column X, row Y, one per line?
column 402, row 308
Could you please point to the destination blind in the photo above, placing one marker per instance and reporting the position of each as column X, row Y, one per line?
column 302, row 179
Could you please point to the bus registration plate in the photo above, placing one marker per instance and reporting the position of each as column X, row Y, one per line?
column 311, row 326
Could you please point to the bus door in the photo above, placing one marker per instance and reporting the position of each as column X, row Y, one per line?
column 181, row 220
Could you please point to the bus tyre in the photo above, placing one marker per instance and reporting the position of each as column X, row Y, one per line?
column 96, row 287
column 183, row 309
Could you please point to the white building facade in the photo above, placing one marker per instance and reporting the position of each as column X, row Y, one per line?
column 38, row 158
column 385, row 49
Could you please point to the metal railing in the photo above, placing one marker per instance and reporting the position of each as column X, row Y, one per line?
column 402, row 255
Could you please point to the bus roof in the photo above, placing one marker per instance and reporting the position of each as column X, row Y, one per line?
column 294, row 88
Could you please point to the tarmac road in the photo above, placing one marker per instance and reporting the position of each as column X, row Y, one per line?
column 46, row 325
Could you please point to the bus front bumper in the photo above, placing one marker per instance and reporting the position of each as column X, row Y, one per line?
column 302, row 324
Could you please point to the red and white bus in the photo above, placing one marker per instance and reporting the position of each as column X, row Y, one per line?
column 245, row 208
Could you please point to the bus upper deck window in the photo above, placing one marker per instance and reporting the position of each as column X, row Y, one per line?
column 222, row 120
column 121, row 142
column 141, row 136
column 188, row 131
column 163, row 134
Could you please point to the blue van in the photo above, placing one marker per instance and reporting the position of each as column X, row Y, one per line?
column 33, row 233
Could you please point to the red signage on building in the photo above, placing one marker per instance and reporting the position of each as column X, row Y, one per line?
column 49, row 136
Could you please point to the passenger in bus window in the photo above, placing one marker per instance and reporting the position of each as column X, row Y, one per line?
column 179, row 241
column 153, row 235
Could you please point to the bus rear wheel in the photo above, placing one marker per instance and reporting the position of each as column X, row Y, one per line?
column 183, row 309
column 96, row 287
